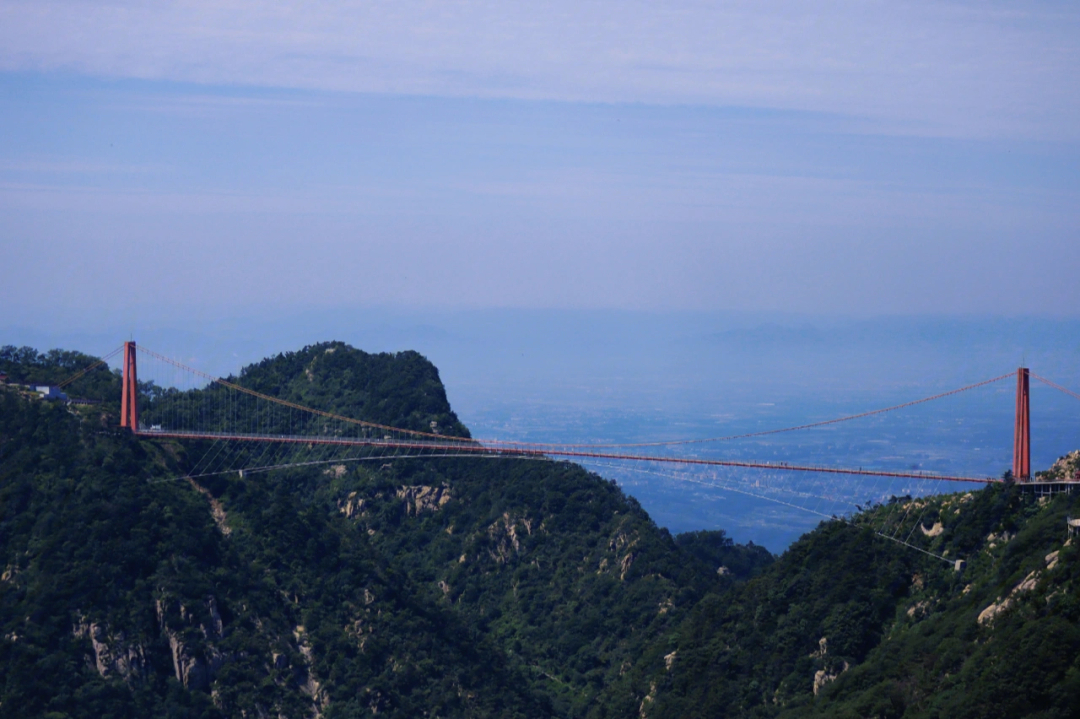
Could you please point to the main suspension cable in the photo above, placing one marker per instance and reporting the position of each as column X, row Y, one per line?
column 94, row 366
column 553, row 445
column 1055, row 385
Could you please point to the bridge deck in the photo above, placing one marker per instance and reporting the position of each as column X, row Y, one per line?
column 508, row 450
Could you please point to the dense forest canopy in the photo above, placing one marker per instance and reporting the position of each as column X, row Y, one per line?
column 25, row 365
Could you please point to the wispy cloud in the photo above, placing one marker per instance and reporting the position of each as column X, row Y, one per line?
column 75, row 167
column 962, row 69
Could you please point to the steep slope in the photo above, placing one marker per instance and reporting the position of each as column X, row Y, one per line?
column 555, row 565
column 1000, row 639
column 121, row 596
column 846, row 623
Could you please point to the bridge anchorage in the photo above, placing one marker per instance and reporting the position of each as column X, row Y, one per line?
column 217, row 411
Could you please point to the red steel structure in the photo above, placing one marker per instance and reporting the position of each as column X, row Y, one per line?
column 473, row 448
column 440, row 445
column 1022, row 434
column 129, row 406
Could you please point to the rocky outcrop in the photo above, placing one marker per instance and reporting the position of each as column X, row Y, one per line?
column 114, row 656
column 621, row 542
column 195, row 658
column 359, row 631
column 352, row 506
column 918, row 609
column 1066, row 468
column 988, row 615
column 309, row 684
column 506, row 534
column 824, row 676
column 933, row 531
column 417, row 500
column 420, row 499
column 993, row 539
column 362, row 627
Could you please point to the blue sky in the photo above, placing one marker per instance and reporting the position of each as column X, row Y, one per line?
column 852, row 158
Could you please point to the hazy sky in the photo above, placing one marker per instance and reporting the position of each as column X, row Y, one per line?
column 564, row 204
column 201, row 158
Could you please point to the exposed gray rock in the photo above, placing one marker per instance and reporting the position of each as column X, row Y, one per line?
column 422, row 499
column 195, row 662
column 113, row 655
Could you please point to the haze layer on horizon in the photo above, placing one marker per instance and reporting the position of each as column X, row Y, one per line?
column 594, row 376
column 198, row 160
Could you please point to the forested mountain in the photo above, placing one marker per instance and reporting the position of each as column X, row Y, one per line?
column 477, row 587
column 847, row 624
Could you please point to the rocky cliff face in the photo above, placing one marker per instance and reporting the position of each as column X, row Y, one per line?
column 193, row 637
column 1065, row 468
column 424, row 499
column 111, row 653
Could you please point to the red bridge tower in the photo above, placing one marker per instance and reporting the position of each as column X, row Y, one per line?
column 129, row 407
column 1022, row 433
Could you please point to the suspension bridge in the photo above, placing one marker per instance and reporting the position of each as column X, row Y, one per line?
column 223, row 410
column 239, row 429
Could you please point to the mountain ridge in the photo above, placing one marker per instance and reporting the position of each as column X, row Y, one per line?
column 477, row 587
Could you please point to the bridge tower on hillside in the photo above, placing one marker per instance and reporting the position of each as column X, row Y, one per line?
column 129, row 406
column 1022, row 433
